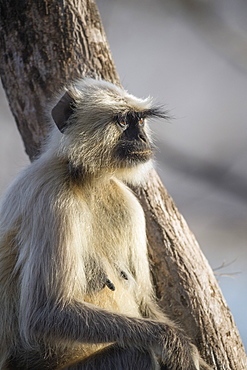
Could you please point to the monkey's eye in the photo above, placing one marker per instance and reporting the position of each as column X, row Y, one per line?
column 122, row 123
column 141, row 121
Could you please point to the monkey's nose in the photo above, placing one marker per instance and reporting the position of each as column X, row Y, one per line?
column 142, row 138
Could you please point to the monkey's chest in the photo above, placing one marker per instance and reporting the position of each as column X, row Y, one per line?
column 117, row 228
column 112, row 288
column 117, row 247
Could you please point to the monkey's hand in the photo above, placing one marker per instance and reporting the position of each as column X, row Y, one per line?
column 175, row 351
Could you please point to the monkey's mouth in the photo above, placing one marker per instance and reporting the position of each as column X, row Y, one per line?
column 129, row 153
column 145, row 152
column 136, row 156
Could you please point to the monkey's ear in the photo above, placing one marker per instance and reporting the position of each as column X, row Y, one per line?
column 63, row 110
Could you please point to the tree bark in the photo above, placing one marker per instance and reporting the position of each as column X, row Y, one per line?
column 44, row 45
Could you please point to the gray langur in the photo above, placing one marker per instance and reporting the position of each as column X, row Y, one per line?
column 75, row 287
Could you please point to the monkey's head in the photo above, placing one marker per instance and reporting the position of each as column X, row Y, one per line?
column 104, row 128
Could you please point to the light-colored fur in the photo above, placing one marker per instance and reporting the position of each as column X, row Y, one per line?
column 58, row 234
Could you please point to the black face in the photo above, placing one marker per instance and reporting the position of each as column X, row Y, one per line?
column 134, row 146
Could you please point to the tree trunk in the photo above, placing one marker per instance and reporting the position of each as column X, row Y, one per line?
column 45, row 44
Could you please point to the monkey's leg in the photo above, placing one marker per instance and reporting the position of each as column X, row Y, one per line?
column 114, row 357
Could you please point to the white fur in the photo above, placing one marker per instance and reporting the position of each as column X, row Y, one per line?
column 68, row 221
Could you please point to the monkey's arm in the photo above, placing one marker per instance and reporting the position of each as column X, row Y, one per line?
column 89, row 324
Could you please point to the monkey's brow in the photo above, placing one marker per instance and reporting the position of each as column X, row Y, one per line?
column 158, row 112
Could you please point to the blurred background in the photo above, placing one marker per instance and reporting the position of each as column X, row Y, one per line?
column 191, row 56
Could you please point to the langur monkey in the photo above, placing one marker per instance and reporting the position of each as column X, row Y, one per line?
column 75, row 287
